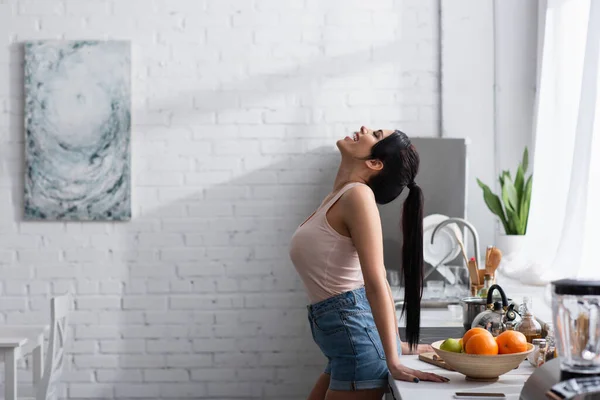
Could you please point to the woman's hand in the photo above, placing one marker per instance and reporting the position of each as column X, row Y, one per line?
column 424, row 348
column 403, row 373
column 421, row 348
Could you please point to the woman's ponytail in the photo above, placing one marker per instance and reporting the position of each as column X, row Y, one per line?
column 400, row 167
column 412, row 262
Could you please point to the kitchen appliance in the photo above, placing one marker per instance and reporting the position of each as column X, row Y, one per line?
column 545, row 383
column 473, row 306
column 576, row 371
column 497, row 314
column 575, row 309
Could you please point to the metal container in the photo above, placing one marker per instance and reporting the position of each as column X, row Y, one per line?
column 494, row 318
column 472, row 306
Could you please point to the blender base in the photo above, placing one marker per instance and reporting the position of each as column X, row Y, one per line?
column 566, row 375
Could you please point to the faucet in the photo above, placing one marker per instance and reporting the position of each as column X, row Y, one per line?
column 466, row 224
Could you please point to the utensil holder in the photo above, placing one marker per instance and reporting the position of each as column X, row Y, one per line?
column 475, row 289
column 480, row 274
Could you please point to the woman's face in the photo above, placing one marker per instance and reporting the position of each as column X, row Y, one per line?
column 359, row 145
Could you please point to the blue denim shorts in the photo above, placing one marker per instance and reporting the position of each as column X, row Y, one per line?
column 344, row 329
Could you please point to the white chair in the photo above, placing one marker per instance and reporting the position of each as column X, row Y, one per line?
column 47, row 388
column 16, row 341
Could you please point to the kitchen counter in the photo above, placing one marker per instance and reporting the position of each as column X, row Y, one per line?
column 510, row 383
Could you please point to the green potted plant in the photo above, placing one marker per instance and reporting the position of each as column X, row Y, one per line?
column 512, row 206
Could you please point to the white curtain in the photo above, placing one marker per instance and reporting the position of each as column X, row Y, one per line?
column 563, row 236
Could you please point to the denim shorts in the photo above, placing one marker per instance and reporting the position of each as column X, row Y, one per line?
column 344, row 329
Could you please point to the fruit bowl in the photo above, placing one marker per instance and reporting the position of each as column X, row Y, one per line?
column 481, row 367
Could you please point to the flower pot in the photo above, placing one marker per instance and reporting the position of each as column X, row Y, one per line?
column 510, row 245
column 512, row 248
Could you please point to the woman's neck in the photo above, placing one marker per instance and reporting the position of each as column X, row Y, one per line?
column 346, row 175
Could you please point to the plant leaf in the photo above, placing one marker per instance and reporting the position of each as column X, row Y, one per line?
column 482, row 185
column 526, row 201
column 512, row 222
column 525, row 162
column 509, row 195
column 494, row 204
column 519, row 185
column 502, row 177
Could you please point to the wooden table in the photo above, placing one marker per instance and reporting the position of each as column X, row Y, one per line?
column 510, row 383
column 16, row 342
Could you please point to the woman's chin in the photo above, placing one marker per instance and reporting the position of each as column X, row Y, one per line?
column 346, row 140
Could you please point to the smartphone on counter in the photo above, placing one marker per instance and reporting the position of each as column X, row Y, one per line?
column 478, row 396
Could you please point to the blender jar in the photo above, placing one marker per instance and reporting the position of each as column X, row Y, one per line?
column 575, row 308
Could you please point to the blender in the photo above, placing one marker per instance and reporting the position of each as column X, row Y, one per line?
column 576, row 371
column 575, row 308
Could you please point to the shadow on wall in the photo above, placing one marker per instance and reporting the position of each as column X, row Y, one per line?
column 214, row 93
column 223, row 300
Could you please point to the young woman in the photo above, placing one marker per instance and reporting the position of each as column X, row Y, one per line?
column 338, row 253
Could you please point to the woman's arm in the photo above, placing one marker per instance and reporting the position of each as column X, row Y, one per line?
column 422, row 348
column 361, row 216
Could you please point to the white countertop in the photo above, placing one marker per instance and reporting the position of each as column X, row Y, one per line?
column 510, row 383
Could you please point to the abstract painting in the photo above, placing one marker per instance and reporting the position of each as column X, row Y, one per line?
column 77, row 130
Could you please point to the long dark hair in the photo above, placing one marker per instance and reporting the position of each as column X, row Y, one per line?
column 400, row 166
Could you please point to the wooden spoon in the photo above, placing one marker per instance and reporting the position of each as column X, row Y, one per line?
column 488, row 250
column 473, row 273
column 494, row 262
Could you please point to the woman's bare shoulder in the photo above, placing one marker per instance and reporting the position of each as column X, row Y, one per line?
column 360, row 198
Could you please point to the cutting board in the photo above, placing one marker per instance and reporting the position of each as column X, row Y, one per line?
column 434, row 359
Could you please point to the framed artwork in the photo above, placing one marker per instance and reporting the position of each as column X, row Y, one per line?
column 77, row 130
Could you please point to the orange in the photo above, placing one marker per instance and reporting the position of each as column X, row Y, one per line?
column 511, row 342
column 471, row 332
column 482, row 344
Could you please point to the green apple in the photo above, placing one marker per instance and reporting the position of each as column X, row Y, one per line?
column 452, row 345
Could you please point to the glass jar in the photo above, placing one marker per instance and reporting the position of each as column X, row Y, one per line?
column 526, row 304
column 539, row 345
column 551, row 342
column 487, row 282
column 529, row 326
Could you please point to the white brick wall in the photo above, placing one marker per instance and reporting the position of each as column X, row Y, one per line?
column 236, row 108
